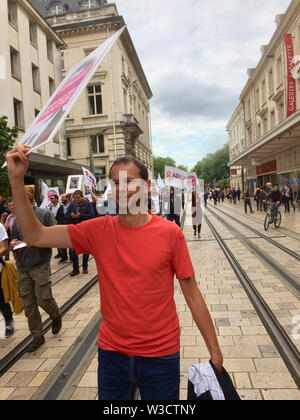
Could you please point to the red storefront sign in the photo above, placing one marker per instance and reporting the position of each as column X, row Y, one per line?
column 233, row 171
column 291, row 87
column 266, row 168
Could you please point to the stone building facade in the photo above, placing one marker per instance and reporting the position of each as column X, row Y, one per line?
column 111, row 118
column 30, row 52
column 268, row 147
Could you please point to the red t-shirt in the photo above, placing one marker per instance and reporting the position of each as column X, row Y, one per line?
column 136, row 267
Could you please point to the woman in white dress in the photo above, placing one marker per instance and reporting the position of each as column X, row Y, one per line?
column 197, row 214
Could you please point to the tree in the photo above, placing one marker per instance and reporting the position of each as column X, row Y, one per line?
column 183, row 168
column 159, row 165
column 214, row 166
column 8, row 137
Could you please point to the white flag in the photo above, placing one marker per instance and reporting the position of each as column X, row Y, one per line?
column 89, row 179
column 53, row 114
column 160, row 183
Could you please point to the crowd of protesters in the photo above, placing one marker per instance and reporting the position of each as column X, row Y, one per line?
column 137, row 256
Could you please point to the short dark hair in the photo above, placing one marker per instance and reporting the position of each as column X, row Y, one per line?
column 10, row 200
column 276, row 185
column 78, row 192
column 126, row 160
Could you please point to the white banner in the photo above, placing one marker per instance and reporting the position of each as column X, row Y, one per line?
column 49, row 192
column 53, row 114
column 89, row 179
column 175, row 177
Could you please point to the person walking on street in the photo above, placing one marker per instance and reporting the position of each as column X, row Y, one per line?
column 205, row 197
column 265, row 192
column 197, row 215
column 78, row 211
column 5, row 307
column 238, row 193
column 173, row 205
column 33, row 264
column 257, row 195
column 234, row 196
column 8, row 221
column 247, row 198
column 61, row 220
column 137, row 256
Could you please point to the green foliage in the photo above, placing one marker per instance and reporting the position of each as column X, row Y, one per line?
column 183, row 168
column 160, row 163
column 8, row 138
column 213, row 166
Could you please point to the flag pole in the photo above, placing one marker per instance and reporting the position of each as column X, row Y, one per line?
column 112, row 98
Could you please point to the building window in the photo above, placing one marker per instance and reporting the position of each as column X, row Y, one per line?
column 15, row 64
column 51, row 86
column 257, row 98
column 56, row 9
column 273, row 121
column 69, row 146
column 98, row 144
column 33, row 33
column 125, row 101
column 13, row 13
column 271, row 82
column 265, row 125
column 50, row 50
column 36, row 78
column 281, row 112
column 90, row 4
column 263, row 91
column 95, row 100
column 18, row 113
column 258, row 131
column 279, row 70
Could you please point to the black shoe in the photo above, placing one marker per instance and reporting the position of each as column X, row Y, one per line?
column 36, row 344
column 57, row 256
column 56, row 325
column 9, row 329
column 62, row 261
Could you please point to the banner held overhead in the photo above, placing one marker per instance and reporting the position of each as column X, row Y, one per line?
column 53, row 114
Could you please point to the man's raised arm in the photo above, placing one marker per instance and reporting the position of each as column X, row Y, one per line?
column 34, row 233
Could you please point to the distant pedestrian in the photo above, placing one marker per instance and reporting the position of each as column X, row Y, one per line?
column 197, row 214
column 238, row 193
column 234, row 196
column 5, row 307
column 61, row 220
column 205, row 197
column 78, row 211
column 172, row 205
column 258, row 198
column 247, row 198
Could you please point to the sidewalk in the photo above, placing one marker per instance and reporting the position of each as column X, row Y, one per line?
column 250, row 357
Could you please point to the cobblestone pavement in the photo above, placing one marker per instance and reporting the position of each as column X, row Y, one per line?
column 250, row 357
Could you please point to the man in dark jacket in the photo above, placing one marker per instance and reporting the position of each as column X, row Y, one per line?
column 34, row 283
column 274, row 197
column 79, row 210
column 61, row 220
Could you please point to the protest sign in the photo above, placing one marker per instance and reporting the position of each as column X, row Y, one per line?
column 53, row 114
column 89, row 178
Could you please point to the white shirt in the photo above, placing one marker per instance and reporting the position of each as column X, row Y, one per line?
column 54, row 209
column 3, row 237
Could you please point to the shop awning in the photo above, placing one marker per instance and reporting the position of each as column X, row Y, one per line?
column 281, row 138
column 55, row 165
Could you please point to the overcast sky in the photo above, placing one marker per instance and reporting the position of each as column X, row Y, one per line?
column 195, row 54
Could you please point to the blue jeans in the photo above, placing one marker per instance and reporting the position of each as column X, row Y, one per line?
column 157, row 378
column 75, row 260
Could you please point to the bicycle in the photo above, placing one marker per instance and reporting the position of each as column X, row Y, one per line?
column 273, row 218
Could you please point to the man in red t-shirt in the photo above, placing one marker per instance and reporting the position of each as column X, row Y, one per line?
column 137, row 256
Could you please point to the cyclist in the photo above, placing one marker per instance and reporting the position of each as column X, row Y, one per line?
column 274, row 197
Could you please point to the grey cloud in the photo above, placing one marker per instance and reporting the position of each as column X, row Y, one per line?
column 180, row 95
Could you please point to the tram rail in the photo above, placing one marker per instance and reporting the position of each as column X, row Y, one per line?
column 275, row 267
column 270, row 240
column 280, row 338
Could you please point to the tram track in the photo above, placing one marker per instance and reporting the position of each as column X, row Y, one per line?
column 261, row 235
column 275, row 267
column 17, row 352
column 279, row 336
